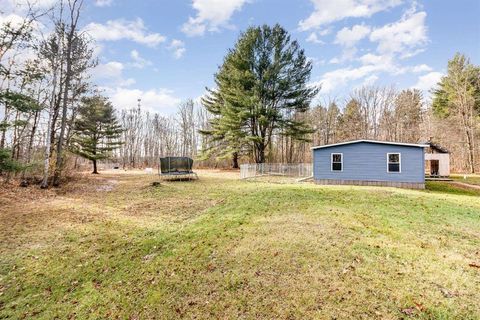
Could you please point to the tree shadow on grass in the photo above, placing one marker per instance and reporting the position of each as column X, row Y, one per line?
column 445, row 187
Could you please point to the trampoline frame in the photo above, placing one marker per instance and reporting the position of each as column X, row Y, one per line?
column 173, row 173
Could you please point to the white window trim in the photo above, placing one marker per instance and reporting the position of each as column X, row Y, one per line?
column 331, row 161
column 399, row 162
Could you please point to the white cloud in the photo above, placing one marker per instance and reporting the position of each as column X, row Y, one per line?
column 333, row 79
column 126, row 82
column 177, row 47
column 12, row 19
column 316, row 61
column 328, row 11
column 349, row 37
column 18, row 20
column 114, row 30
column 324, row 32
column 388, row 63
column 138, row 61
column 392, row 42
column 109, row 70
column 211, row 15
column 402, row 36
column 313, row 38
column 154, row 100
column 370, row 58
column 421, row 68
column 370, row 80
column 428, row 81
column 192, row 28
column 348, row 54
column 411, row 53
column 103, row 3
column 97, row 50
column 111, row 74
column 372, row 65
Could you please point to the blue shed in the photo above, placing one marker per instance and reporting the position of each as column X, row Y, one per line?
column 370, row 162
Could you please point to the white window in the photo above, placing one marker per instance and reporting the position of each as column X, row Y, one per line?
column 394, row 162
column 337, row 162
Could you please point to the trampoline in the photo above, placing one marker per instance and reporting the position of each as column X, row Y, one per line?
column 176, row 168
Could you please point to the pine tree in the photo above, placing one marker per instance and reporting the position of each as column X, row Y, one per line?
column 408, row 115
column 227, row 139
column 457, row 97
column 261, row 87
column 7, row 164
column 351, row 122
column 96, row 130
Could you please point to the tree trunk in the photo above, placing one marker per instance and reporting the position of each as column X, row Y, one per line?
column 4, row 123
column 61, row 138
column 2, row 139
column 471, row 151
column 48, row 140
column 235, row 160
column 46, row 159
column 94, row 166
column 260, row 153
column 74, row 15
column 30, row 142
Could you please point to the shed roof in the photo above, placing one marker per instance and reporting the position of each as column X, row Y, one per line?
column 372, row 141
column 436, row 147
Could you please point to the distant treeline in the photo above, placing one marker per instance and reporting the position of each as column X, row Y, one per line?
column 262, row 108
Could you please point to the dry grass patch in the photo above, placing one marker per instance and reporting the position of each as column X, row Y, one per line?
column 223, row 248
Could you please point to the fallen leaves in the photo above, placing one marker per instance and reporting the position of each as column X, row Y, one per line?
column 418, row 307
column 348, row 269
column 409, row 311
column 211, row 267
column 149, row 257
column 447, row 293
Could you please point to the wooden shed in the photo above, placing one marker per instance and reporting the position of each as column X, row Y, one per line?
column 437, row 160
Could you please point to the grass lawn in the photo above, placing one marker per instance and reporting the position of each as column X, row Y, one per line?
column 113, row 246
column 470, row 178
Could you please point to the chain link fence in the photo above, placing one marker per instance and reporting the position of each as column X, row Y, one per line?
column 294, row 170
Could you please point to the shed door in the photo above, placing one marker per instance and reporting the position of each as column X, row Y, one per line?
column 434, row 167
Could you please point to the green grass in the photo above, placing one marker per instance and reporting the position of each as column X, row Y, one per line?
column 224, row 248
column 470, row 178
column 448, row 188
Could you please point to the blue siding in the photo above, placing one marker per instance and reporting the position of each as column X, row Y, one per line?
column 368, row 161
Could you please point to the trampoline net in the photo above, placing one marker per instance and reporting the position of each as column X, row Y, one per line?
column 176, row 165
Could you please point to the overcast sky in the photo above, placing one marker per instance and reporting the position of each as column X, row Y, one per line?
column 167, row 51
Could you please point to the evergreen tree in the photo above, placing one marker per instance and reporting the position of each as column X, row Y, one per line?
column 408, row 115
column 13, row 101
column 457, row 97
column 225, row 131
column 261, row 87
column 96, row 130
column 351, row 121
column 7, row 164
